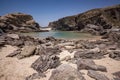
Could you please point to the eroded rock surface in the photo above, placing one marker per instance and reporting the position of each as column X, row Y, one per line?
column 96, row 75
column 89, row 65
column 45, row 62
column 66, row 72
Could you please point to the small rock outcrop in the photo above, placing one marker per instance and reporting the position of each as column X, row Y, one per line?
column 18, row 22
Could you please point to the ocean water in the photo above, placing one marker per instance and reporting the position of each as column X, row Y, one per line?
column 61, row 35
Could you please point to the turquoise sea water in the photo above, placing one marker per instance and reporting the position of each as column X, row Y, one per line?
column 61, row 34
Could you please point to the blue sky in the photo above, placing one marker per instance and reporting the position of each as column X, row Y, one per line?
column 45, row 11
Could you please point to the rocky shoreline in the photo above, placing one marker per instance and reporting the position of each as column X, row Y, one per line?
column 28, row 58
column 96, row 21
column 59, row 54
column 18, row 22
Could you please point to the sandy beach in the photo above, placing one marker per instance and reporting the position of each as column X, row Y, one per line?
column 14, row 69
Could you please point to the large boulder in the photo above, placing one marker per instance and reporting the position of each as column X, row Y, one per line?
column 27, row 51
column 41, row 49
column 18, row 22
column 45, row 62
column 66, row 72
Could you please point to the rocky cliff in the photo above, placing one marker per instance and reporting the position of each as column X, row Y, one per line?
column 96, row 21
column 18, row 22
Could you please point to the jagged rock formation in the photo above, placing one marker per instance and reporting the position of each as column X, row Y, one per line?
column 95, row 20
column 18, row 22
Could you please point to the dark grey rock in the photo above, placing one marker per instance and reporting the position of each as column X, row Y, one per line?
column 115, row 54
column 96, row 75
column 50, row 38
column 53, row 51
column 88, row 54
column 88, row 45
column 42, row 49
column 89, row 65
column 45, row 62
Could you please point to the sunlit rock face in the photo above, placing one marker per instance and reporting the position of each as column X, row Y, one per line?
column 18, row 22
column 103, row 18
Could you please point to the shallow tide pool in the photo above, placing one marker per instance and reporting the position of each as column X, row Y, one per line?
column 61, row 34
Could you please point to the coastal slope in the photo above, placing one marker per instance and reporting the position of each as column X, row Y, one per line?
column 95, row 20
